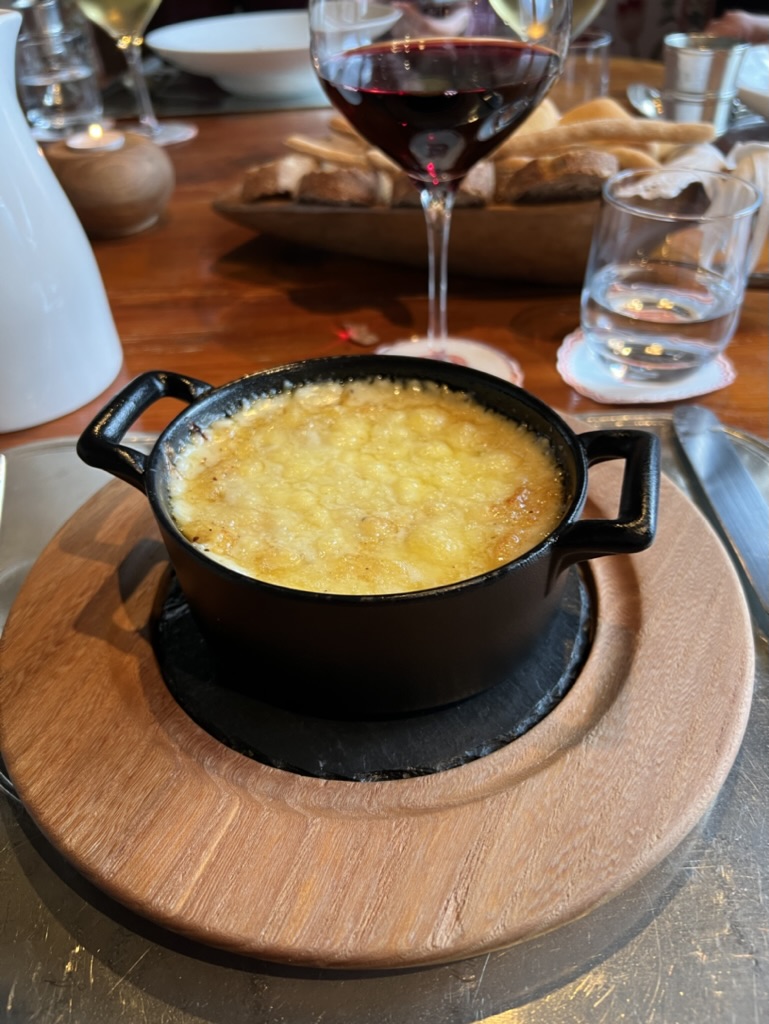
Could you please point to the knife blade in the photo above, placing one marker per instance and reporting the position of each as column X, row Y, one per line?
column 738, row 505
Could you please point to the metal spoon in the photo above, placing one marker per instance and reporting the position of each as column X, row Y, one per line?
column 645, row 100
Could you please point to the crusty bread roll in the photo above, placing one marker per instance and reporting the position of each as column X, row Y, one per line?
column 505, row 170
column 579, row 174
column 344, row 186
column 479, row 185
column 278, row 179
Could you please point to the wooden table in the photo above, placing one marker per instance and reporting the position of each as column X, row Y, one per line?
column 199, row 295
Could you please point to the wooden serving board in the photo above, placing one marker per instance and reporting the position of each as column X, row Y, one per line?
column 384, row 874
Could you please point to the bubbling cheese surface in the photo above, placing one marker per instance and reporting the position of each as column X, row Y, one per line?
column 365, row 487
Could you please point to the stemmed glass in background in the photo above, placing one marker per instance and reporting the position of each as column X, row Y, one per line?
column 437, row 93
column 125, row 22
column 584, row 13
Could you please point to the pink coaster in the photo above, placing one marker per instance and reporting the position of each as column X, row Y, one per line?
column 588, row 375
column 461, row 351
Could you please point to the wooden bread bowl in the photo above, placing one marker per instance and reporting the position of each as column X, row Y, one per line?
column 541, row 244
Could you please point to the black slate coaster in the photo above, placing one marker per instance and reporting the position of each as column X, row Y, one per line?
column 377, row 749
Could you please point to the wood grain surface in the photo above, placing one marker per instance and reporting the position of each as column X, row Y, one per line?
column 371, row 875
column 203, row 296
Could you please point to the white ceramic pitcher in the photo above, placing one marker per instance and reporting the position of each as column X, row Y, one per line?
column 58, row 345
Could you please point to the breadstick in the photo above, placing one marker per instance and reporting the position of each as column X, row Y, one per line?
column 332, row 153
column 340, row 124
column 616, row 130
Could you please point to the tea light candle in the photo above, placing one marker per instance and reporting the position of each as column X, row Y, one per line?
column 96, row 139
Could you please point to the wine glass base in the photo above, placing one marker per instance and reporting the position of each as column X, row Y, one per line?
column 462, row 351
column 168, row 133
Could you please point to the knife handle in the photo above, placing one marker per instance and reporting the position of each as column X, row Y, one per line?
column 634, row 528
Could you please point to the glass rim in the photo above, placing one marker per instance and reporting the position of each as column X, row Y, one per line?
column 590, row 39
column 750, row 205
column 701, row 42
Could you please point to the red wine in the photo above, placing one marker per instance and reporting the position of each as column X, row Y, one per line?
column 437, row 106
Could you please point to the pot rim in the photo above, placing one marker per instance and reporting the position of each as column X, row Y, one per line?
column 336, row 368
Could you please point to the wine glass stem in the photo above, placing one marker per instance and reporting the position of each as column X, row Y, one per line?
column 437, row 203
column 146, row 112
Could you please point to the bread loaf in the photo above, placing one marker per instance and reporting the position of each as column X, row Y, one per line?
column 345, row 186
column 579, row 174
column 278, row 179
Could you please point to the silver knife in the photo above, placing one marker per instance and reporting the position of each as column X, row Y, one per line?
column 738, row 505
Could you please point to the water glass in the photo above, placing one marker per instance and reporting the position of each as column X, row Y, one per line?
column 701, row 78
column 585, row 74
column 667, row 269
column 57, row 78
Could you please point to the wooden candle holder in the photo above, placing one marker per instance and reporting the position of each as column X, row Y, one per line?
column 115, row 192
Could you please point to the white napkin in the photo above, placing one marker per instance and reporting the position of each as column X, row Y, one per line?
column 747, row 160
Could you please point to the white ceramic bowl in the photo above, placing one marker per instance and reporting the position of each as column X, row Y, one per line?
column 265, row 54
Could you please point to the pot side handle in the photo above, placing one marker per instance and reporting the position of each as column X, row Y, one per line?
column 635, row 526
column 99, row 444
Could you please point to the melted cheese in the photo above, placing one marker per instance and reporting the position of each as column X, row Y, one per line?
column 365, row 487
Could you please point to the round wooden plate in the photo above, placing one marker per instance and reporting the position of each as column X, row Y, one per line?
column 383, row 874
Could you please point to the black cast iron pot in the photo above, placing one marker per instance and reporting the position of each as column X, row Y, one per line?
column 382, row 654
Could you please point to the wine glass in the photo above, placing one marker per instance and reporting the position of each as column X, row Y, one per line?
column 584, row 13
column 125, row 22
column 437, row 87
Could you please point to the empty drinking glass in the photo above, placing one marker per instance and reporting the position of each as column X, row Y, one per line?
column 57, row 68
column 585, row 74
